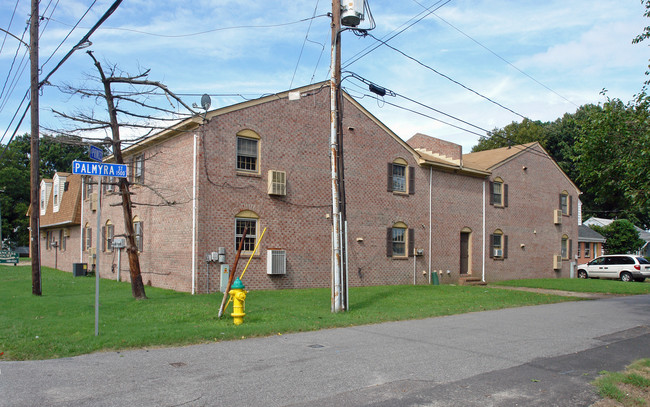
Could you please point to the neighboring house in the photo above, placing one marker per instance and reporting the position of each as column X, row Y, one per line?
column 412, row 207
column 590, row 244
column 60, row 214
column 643, row 234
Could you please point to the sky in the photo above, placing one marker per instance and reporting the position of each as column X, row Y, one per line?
column 485, row 62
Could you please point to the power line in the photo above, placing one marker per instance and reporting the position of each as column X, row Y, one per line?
column 501, row 58
column 448, row 77
column 303, row 44
column 417, row 20
column 207, row 31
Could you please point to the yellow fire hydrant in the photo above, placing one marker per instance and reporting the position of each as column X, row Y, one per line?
column 238, row 296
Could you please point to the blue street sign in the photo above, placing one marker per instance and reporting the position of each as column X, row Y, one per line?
column 96, row 153
column 100, row 169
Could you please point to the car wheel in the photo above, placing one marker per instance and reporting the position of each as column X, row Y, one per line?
column 626, row 276
column 582, row 274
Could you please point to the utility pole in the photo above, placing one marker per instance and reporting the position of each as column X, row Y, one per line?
column 335, row 69
column 34, row 156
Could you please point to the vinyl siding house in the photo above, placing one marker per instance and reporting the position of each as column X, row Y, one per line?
column 413, row 208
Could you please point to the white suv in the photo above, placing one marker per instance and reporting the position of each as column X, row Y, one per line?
column 618, row 266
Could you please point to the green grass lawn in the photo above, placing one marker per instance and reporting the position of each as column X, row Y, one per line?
column 61, row 322
column 580, row 285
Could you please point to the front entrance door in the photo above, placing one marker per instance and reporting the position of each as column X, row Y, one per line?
column 464, row 252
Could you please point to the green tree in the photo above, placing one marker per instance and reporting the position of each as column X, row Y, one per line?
column 56, row 154
column 612, row 159
column 622, row 237
column 515, row 133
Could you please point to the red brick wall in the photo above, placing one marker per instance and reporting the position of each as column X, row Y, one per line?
column 528, row 220
column 447, row 148
column 294, row 137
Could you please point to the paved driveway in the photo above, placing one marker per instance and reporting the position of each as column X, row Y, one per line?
column 543, row 355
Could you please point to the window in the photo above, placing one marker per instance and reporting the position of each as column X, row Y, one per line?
column 565, row 247
column 401, row 177
column 137, row 169
column 138, row 230
column 87, row 237
column 498, row 193
column 109, row 184
column 565, row 203
column 56, row 194
column 578, row 252
column 399, row 241
column 89, row 187
column 64, row 236
column 587, row 246
column 246, row 220
column 107, row 237
column 248, row 151
column 498, row 245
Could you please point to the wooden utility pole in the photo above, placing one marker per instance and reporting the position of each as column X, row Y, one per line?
column 338, row 291
column 34, row 156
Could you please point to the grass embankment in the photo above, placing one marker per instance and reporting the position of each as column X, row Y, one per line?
column 628, row 388
column 580, row 285
column 61, row 322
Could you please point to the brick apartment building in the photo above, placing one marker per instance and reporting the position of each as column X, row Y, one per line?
column 413, row 208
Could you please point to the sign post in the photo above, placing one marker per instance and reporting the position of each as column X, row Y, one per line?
column 100, row 170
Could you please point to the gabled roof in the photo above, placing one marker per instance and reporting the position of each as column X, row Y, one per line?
column 587, row 234
column 69, row 213
column 192, row 123
column 489, row 160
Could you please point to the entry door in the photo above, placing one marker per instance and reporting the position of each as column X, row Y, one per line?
column 464, row 252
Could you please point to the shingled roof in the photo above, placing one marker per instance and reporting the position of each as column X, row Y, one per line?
column 69, row 209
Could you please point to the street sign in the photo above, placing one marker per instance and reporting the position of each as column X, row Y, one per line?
column 99, row 169
column 96, row 153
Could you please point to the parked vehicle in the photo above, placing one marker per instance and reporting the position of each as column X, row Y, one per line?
column 625, row 267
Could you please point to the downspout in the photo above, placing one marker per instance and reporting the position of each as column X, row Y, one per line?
column 430, row 192
column 483, row 261
column 194, row 216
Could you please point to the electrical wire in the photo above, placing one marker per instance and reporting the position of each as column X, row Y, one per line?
column 207, row 31
column 501, row 58
column 303, row 45
column 13, row 14
column 448, row 77
column 68, row 35
column 417, row 20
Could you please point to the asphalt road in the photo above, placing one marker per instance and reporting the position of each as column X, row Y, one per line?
column 533, row 356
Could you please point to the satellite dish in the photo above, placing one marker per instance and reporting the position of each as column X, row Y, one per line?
column 206, row 101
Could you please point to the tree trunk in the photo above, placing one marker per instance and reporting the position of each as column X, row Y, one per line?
column 137, row 287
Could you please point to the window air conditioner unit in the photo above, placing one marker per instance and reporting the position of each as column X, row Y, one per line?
column 498, row 252
column 557, row 216
column 66, row 232
column 276, row 261
column 557, row 262
column 277, row 182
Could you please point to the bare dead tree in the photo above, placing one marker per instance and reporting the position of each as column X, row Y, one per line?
column 132, row 102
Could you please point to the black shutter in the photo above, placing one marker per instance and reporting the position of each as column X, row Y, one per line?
column 103, row 238
column 83, row 237
column 570, row 205
column 505, row 246
column 390, row 177
column 142, row 169
column 389, row 242
column 491, row 246
column 411, row 180
column 505, row 195
column 560, row 204
column 411, row 245
column 570, row 249
column 491, row 193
